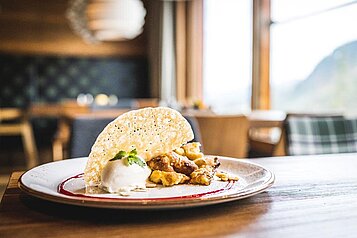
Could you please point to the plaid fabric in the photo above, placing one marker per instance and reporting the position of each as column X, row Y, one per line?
column 320, row 135
column 351, row 128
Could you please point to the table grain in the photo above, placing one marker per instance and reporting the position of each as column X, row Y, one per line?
column 313, row 196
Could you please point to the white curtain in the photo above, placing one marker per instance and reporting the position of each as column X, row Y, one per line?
column 168, row 72
column 162, row 52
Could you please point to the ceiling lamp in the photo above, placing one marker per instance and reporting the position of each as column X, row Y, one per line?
column 106, row 20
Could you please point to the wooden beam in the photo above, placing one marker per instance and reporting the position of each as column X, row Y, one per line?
column 261, row 55
column 194, row 49
column 181, row 56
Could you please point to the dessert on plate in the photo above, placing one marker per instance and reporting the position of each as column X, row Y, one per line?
column 148, row 145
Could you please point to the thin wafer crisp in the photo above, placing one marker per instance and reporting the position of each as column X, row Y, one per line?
column 151, row 131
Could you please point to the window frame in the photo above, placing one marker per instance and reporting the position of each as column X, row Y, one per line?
column 189, row 52
column 261, row 55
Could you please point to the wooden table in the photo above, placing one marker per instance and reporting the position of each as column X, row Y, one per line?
column 313, row 196
column 266, row 118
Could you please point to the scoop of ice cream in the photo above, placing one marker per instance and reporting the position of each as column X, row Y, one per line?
column 118, row 176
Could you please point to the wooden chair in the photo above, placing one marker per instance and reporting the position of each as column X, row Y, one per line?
column 266, row 146
column 225, row 135
column 263, row 124
column 14, row 121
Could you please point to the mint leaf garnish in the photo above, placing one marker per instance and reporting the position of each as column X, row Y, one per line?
column 133, row 152
column 131, row 158
column 135, row 160
column 121, row 154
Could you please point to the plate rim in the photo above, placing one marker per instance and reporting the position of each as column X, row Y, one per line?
column 147, row 203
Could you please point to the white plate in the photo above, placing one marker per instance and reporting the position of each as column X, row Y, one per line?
column 45, row 182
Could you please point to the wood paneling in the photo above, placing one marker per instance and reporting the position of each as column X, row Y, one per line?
column 41, row 27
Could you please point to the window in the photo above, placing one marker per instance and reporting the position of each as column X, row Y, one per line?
column 227, row 54
column 314, row 55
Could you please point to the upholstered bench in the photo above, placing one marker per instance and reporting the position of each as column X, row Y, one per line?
column 313, row 134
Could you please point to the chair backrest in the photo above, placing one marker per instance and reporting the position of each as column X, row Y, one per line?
column 8, row 114
column 195, row 128
column 319, row 134
column 225, row 135
column 85, row 130
column 351, row 128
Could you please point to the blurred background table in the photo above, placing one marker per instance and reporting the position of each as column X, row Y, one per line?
column 220, row 134
column 254, row 134
column 69, row 110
